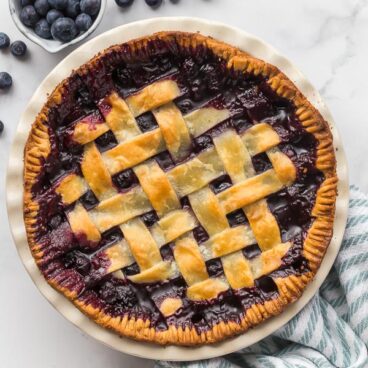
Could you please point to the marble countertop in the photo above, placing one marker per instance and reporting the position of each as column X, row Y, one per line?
column 327, row 40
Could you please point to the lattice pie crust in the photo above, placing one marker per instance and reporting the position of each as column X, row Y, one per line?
column 162, row 191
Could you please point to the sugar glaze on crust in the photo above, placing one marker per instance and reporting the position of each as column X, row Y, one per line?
column 290, row 287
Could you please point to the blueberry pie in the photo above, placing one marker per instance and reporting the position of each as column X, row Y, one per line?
column 178, row 190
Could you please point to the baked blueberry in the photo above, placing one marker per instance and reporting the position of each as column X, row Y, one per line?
column 28, row 16
column 124, row 3
column 83, row 22
column 1, row 127
column 126, row 296
column 52, row 15
column 64, row 29
column 4, row 40
column 90, row 7
column 73, row 8
column 154, row 3
column 58, row 4
column 42, row 29
column 5, row 80
column 42, row 7
column 24, row 3
column 18, row 48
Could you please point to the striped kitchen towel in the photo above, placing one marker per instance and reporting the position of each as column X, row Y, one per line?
column 332, row 330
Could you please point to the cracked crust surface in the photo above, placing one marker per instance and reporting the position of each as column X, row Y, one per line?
column 38, row 148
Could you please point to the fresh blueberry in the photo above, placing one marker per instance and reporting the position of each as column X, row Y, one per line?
column 58, row 4
column 154, row 3
column 1, row 127
column 24, row 3
column 18, row 48
column 73, row 8
column 42, row 29
column 4, row 40
column 5, row 80
column 42, row 7
column 64, row 29
column 83, row 22
column 29, row 16
column 124, row 3
column 90, row 7
column 52, row 15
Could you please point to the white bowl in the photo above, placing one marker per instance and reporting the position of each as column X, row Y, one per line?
column 50, row 45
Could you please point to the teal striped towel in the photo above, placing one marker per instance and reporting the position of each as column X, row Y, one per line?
column 332, row 330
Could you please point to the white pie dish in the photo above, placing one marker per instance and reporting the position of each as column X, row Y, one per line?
column 51, row 46
column 15, row 180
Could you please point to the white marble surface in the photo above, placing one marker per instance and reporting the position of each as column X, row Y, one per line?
column 326, row 39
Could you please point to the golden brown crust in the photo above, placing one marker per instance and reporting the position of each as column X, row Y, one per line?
column 290, row 288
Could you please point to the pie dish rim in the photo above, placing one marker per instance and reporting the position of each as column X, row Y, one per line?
column 186, row 20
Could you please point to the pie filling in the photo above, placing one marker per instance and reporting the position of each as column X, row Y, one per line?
column 95, row 252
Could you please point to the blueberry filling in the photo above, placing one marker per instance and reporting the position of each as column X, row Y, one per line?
column 252, row 251
column 164, row 160
column 166, row 252
column 201, row 143
column 77, row 260
column 214, row 267
column 150, row 218
column 261, row 163
column 106, row 141
column 111, row 236
column 200, row 234
column 220, row 184
column 122, row 295
column 203, row 80
column 237, row 218
column 89, row 200
column 267, row 285
column 147, row 122
column 125, row 180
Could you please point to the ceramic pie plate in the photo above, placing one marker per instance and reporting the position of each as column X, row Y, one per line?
column 235, row 37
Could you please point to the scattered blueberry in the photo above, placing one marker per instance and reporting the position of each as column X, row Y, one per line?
column 90, row 7
column 73, row 8
column 42, row 29
column 4, row 40
column 1, row 126
column 29, row 16
column 52, row 15
column 83, row 22
column 64, row 29
column 154, row 3
column 124, row 3
column 24, row 3
column 58, row 4
column 42, row 7
column 18, row 48
column 5, row 80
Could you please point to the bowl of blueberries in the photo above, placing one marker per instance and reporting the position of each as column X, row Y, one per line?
column 56, row 24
